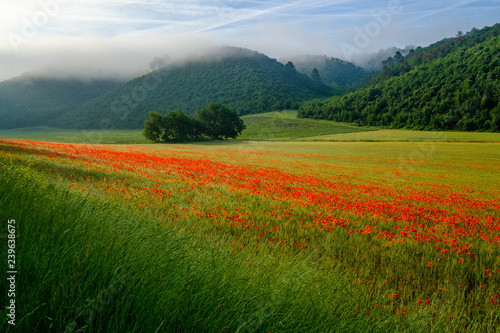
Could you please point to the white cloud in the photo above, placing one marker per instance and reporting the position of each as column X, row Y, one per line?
column 125, row 55
column 124, row 35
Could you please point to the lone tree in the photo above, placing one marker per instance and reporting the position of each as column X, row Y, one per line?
column 220, row 121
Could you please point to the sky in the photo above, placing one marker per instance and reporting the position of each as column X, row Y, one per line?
column 121, row 37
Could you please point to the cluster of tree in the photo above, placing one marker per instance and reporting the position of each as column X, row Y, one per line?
column 215, row 120
column 245, row 81
column 442, row 87
column 34, row 100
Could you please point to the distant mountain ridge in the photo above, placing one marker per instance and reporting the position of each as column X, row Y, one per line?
column 246, row 81
column 453, row 84
column 333, row 71
column 33, row 100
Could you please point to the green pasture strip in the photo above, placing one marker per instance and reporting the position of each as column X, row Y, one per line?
column 286, row 126
column 410, row 136
column 75, row 136
column 271, row 126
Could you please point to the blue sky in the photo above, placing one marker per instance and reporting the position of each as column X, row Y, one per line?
column 124, row 35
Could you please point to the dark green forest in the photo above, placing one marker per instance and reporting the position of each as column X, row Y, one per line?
column 451, row 85
column 245, row 81
column 333, row 71
column 28, row 101
column 215, row 120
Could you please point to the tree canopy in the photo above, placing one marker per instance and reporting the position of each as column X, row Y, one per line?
column 215, row 120
column 220, row 121
column 153, row 127
column 335, row 72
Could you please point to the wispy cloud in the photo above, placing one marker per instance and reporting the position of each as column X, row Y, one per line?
column 125, row 34
column 441, row 10
column 275, row 11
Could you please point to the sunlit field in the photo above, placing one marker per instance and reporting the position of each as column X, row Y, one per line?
column 75, row 136
column 248, row 236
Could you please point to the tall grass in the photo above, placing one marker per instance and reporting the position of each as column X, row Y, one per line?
column 88, row 266
column 93, row 261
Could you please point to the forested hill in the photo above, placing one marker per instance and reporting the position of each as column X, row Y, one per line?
column 32, row 100
column 333, row 71
column 244, row 80
column 452, row 84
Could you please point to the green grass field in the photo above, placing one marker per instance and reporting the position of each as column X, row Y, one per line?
column 409, row 136
column 376, row 231
column 272, row 126
column 285, row 125
column 75, row 136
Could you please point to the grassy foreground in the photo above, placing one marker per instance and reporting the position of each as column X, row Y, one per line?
column 254, row 236
column 89, row 266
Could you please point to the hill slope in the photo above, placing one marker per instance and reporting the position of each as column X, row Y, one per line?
column 284, row 125
column 333, row 71
column 31, row 100
column 246, row 81
column 453, row 84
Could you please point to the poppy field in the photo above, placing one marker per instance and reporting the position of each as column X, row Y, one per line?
column 287, row 236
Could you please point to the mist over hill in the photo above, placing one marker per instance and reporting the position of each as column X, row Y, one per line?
column 453, row 84
column 372, row 62
column 333, row 71
column 246, row 81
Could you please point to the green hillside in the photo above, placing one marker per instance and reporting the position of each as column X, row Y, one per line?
column 284, row 125
column 333, row 71
column 453, row 84
column 30, row 100
column 246, row 81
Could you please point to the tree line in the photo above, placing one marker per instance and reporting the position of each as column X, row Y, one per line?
column 215, row 120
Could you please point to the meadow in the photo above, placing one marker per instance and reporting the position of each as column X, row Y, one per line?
column 284, row 125
column 279, row 125
column 371, row 231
